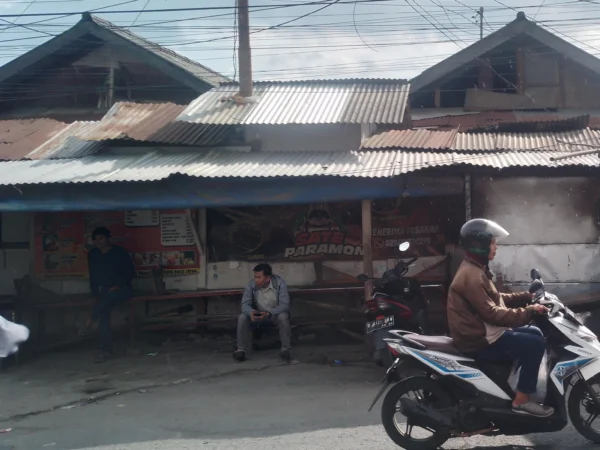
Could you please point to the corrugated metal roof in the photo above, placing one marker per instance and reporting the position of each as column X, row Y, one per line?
column 68, row 143
column 483, row 142
column 19, row 137
column 550, row 142
column 303, row 102
column 153, row 123
column 506, row 160
column 144, row 122
column 479, row 121
column 137, row 121
column 407, row 139
column 465, row 122
column 213, row 164
column 227, row 164
column 434, row 113
column 412, row 161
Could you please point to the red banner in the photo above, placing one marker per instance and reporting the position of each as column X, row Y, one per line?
column 153, row 238
column 333, row 231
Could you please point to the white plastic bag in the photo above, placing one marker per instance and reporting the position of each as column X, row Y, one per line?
column 11, row 335
column 542, row 382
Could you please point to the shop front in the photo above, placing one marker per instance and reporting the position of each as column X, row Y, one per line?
column 193, row 262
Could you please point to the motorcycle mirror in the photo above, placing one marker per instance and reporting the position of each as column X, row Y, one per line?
column 363, row 277
column 404, row 246
column 535, row 275
column 536, row 286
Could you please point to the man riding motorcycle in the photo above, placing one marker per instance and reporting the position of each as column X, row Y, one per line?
column 483, row 326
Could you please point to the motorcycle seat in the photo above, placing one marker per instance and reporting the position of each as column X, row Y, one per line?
column 436, row 343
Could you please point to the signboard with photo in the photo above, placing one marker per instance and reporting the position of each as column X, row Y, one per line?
column 153, row 238
column 332, row 231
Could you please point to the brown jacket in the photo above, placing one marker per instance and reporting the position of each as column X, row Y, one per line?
column 476, row 309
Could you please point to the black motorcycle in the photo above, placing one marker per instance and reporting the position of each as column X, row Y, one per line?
column 397, row 302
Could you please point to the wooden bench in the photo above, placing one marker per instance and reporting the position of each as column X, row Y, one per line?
column 201, row 305
column 26, row 302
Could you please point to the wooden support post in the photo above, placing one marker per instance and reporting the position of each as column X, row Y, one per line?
column 438, row 97
column 367, row 249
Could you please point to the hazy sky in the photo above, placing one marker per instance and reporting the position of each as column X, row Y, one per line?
column 396, row 39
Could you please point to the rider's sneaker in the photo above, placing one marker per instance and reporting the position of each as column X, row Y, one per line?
column 533, row 409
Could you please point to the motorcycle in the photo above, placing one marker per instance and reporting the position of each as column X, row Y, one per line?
column 458, row 396
column 397, row 301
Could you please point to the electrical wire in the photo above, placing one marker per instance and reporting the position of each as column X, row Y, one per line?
column 205, row 8
column 356, row 28
column 272, row 44
column 14, row 22
column 282, row 24
column 140, row 13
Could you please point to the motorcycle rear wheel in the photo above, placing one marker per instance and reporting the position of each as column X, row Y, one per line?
column 432, row 395
column 580, row 399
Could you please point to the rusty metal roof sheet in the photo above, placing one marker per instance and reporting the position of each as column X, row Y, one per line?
column 465, row 122
column 144, row 122
column 409, row 139
column 68, row 143
column 303, row 102
column 508, row 121
column 153, row 123
column 20, row 137
column 137, row 121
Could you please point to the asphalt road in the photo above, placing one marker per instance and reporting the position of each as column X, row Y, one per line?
column 293, row 407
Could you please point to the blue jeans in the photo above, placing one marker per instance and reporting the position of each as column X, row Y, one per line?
column 525, row 345
column 102, row 311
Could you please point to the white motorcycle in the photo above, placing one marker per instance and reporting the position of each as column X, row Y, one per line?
column 459, row 396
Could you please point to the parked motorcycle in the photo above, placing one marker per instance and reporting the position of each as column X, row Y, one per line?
column 458, row 396
column 397, row 302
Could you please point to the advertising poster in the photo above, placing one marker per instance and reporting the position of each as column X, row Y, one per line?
column 153, row 238
column 332, row 231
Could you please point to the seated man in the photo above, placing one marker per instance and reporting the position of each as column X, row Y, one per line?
column 266, row 301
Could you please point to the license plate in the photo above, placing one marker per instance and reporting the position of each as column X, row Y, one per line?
column 375, row 325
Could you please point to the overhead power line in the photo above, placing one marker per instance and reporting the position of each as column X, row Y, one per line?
column 205, row 8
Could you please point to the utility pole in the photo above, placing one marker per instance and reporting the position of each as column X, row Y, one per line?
column 480, row 14
column 244, row 54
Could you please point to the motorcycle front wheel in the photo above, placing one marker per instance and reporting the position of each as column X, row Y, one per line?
column 583, row 411
column 424, row 391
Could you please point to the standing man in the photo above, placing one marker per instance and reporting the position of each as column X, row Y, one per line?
column 266, row 302
column 111, row 272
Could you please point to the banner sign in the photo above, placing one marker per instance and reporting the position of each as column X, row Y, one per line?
column 153, row 238
column 332, row 231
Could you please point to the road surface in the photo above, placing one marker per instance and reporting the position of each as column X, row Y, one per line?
column 293, row 408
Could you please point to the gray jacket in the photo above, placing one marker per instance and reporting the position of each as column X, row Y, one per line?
column 283, row 297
